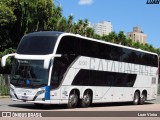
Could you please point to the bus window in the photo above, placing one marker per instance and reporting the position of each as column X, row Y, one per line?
column 69, row 45
column 59, row 68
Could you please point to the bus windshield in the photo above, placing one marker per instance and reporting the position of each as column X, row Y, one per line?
column 37, row 45
column 29, row 73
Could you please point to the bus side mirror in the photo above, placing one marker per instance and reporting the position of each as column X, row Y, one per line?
column 4, row 58
column 48, row 58
column 46, row 62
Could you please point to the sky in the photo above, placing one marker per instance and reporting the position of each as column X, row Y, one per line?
column 123, row 14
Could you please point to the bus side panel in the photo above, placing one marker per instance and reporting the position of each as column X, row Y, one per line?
column 55, row 96
column 128, row 93
column 118, row 94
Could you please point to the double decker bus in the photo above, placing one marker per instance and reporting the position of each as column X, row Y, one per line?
column 62, row 68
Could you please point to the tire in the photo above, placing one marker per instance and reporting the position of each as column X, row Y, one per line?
column 86, row 100
column 142, row 99
column 136, row 98
column 73, row 100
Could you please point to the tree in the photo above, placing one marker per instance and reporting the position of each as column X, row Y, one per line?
column 56, row 17
column 80, row 26
column 105, row 38
column 151, row 48
column 112, row 37
column 129, row 42
column 89, row 32
column 121, row 38
column 19, row 17
column 7, row 19
column 69, row 23
column 158, row 51
column 62, row 25
column 136, row 45
column 96, row 36
column 85, row 26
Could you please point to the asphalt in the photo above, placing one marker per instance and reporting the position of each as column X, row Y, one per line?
column 8, row 104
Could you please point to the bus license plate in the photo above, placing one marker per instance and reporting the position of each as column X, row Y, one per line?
column 25, row 97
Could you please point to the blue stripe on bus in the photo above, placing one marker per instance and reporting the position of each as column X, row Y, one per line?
column 47, row 93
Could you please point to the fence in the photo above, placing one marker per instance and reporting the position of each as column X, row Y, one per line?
column 4, row 84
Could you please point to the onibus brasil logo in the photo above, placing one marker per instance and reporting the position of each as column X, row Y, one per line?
column 153, row 2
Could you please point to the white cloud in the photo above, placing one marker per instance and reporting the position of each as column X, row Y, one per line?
column 85, row 2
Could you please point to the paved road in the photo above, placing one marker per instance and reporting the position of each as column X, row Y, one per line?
column 7, row 104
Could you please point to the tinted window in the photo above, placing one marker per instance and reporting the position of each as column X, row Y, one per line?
column 59, row 68
column 89, row 48
column 37, row 45
column 29, row 73
column 69, row 46
column 136, row 57
column 103, row 78
column 73, row 47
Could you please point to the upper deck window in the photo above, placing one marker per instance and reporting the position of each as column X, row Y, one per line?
column 37, row 45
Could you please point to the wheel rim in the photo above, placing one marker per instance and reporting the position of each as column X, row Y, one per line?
column 73, row 100
column 86, row 99
column 143, row 98
column 136, row 98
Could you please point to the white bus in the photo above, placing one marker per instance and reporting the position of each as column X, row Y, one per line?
column 64, row 68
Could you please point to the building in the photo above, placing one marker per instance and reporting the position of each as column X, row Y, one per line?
column 102, row 28
column 137, row 35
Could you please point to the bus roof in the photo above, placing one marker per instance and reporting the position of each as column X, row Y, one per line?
column 45, row 33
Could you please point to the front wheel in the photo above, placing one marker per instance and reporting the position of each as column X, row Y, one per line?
column 86, row 100
column 73, row 100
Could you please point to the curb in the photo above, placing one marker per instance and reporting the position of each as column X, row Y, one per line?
column 4, row 97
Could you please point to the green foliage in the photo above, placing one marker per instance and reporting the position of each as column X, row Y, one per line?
column 158, row 51
column 18, row 17
column 6, row 15
column 4, row 86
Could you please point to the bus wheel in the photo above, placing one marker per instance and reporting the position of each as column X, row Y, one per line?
column 136, row 98
column 86, row 100
column 142, row 99
column 73, row 100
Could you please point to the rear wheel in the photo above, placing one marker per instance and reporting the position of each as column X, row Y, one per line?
column 136, row 98
column 142, row 99
column 73, row 100
column 86, row 100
